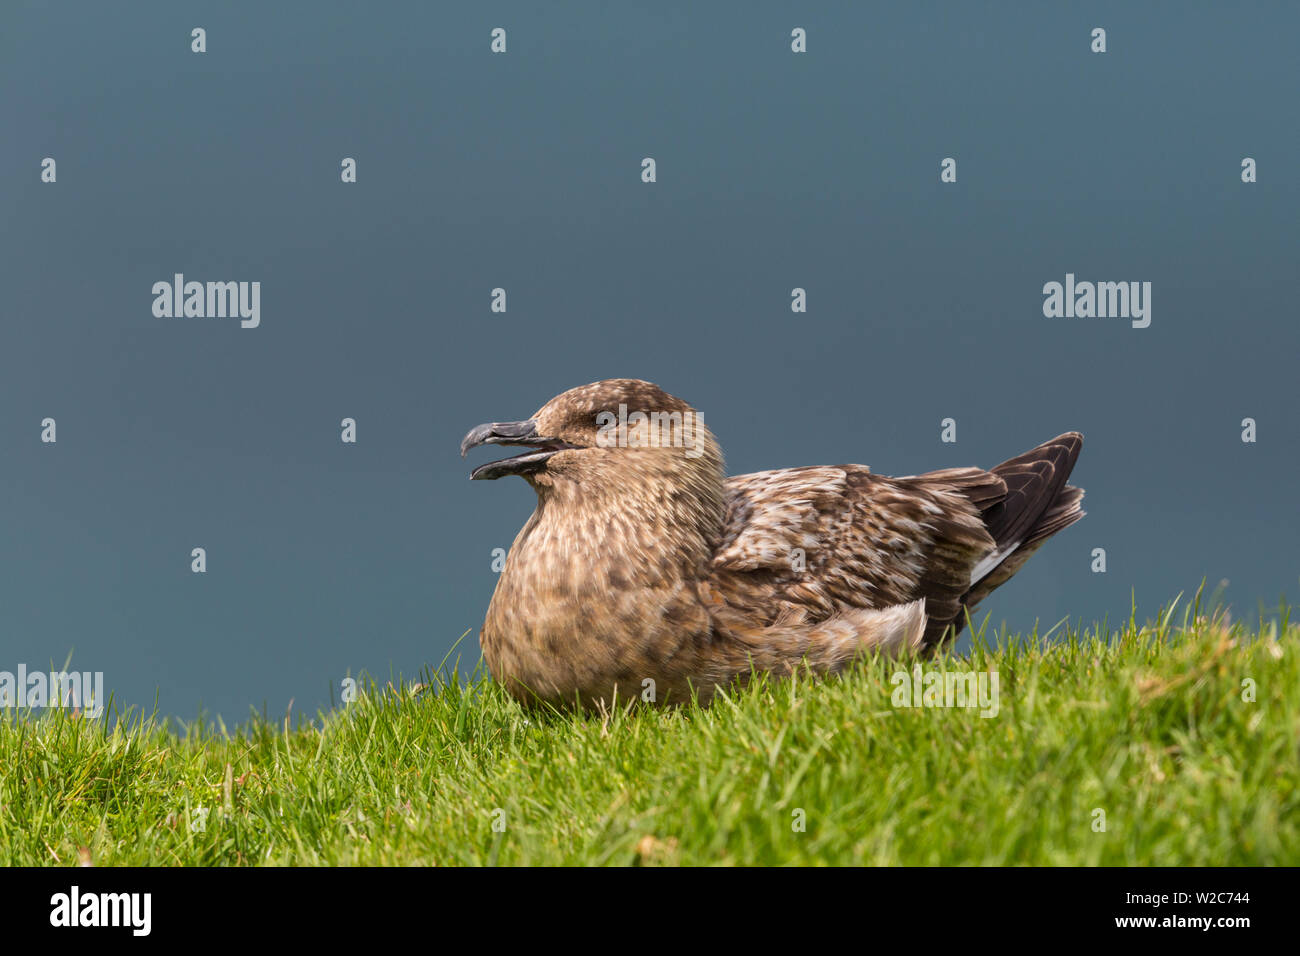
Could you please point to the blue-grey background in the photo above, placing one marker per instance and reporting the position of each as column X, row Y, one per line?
column 522, row 170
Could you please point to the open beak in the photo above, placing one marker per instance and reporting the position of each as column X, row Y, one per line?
column 511, row 433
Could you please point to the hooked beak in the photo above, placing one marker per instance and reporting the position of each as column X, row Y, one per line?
column 511, row 433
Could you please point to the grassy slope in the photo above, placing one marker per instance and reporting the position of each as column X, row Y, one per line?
column 1148, row 725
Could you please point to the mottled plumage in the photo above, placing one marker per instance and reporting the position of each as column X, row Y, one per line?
column 645, row 564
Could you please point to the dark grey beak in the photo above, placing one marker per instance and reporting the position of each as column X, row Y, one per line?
column 511, row 433
column 498, row 433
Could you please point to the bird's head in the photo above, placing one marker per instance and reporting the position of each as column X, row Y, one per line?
column 621, row 435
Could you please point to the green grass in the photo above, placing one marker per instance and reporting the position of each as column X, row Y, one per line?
column 1147, row 724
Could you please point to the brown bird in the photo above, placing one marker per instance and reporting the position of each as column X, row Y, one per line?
column 645, row 573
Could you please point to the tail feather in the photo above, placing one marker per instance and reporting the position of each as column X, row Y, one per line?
column 1037, row 505
column 1064, row 511
column 1033, row 480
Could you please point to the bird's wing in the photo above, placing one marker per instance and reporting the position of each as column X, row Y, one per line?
column 803, row 544
column 772, row 514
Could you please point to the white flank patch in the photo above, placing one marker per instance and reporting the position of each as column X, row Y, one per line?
column 989, row 562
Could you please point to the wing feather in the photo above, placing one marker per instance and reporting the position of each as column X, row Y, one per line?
column 803, row 544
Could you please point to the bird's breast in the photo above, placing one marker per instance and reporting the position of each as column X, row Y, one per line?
column 579, row 607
